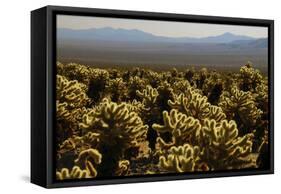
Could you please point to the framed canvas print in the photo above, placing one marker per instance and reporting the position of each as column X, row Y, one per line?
column 125, row 96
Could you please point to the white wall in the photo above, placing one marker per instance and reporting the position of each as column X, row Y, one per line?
column 15, row 89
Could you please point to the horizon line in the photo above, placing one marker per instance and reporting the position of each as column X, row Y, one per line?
column 117, row 28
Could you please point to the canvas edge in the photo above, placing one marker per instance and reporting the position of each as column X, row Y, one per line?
column 51, row 10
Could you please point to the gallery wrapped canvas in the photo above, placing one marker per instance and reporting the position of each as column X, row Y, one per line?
column 123, row 96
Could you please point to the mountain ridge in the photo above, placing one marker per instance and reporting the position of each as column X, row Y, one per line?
column 120, row 34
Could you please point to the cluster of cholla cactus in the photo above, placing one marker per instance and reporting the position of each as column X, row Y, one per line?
column 118, row 129
column 122, row 122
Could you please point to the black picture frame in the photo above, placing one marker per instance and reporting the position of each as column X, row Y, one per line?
column 43, row 72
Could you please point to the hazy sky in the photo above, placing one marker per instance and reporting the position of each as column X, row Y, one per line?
column 161, row 28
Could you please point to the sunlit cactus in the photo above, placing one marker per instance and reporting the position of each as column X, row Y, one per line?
column 77, row 143
column 223, row 148
column 261, row 96
column 87, row 158
column 137, row 121
column 180, row 86
column 115, row 123
column 135, row 84
column 216, row 113
column 250, row 77
column 138, row 107
column 89, row 155
column 62, row 111
column 180, row 159
column 241, row 107
column 154, row 78
column 74, row 173
column 123, row 167
column 97, row 84
column 119, row 129
column 71, row 103
column 181, row 127
column 74, row 71
column 114, row 73
column 200, row 77
column 155, row 101
column 71, row 92
column 117, row 90
column 213, row 87
column 192, row 104
column 148, row 95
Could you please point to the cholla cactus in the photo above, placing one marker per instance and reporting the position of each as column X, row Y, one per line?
column 240, row 106
column 195, row 105
column 263, row 159
column 223, row 149
column 220, row 148
column 149, row 96
column 200, row 77
column 114, row 73
column 215, row 113
column 135, row 84
column 181, row 127
column 195, row 121
column 86, row 158
column 159, row 121
column 123, row 167
column 213, row 87
column 117, row 90
column 71, row 92
column 261, row 96
column 75, row 173
column 74, row 71
column 98, row 81
column 172, row 76
column 180, row 159
column 155, row 102
column 71, row 101
column 138, row 107
column 68, row 119
column 250, row 77
column 119, row 129
column 151, row 103
column 189, row 73
column 115, row 123
column 62, row 112
column 165, row 92
column 154, row 78
column 76, row 144
column 180, row 87
column 192, row 104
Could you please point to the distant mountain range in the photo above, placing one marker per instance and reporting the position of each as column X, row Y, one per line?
column 121, row 47
column 256, row 43
column 135, row 35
